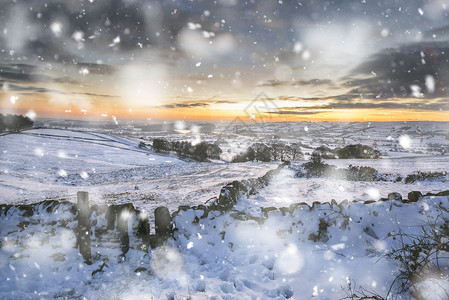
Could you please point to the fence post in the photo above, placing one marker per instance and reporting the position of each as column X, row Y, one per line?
column 84, row 226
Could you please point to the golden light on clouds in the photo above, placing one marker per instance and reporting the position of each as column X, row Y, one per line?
column 73, row 105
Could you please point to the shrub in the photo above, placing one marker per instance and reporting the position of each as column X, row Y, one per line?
column 325, row 152
column 363, row 173
column 423, row 264
column 357, row 151
column 262, row 152
column 421, row 176
column 422, row 256
column 315, row 168
column 248, row 155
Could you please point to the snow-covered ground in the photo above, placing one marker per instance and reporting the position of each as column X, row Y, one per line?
column 54, row 164
column 286, row 188
column 396, row 139
column 222, row 256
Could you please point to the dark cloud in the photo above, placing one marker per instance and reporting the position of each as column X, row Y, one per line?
column 225, row 102
column 96, row 95
column 314, row 82
column 186, row 105
column 272, row 83
column 34, row 90
column 439, row 32
column 27, row 73
column 395, row 72
column 292, row 112
column 311, row 82
column 439, row 105
column 66, row 79
column 21, row 73
column 95, row 68
column 27, row 89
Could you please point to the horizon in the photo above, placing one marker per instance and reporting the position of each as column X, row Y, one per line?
column 150, row 120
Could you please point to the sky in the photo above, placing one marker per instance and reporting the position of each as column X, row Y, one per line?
column 281, row 60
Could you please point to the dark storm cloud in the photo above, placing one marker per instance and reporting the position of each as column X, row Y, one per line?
column 158, row 23
column 264, row 28
column 393, row 72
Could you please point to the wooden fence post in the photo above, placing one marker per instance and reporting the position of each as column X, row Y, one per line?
column 84, row 226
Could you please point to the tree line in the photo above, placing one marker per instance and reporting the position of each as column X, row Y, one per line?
column 350, row 151
column 15, row 123
column 202, row 151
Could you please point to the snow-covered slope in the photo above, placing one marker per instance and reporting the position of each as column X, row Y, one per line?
column 54, row 164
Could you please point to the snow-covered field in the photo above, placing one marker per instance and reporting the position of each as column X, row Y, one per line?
column 55, row 164
column 224, row 255
column 286, row 188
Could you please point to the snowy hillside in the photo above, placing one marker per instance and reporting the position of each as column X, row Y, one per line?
column 54, row 164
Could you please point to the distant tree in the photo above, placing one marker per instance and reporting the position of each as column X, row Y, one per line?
column 269, row 152
column 362, row 173
column 160, row 145
column 214, row 151
column 248, row 155
column 295, row 152
column 262, row 152
column 201, row 152
column 315, row 167
column 325, row 152
column 15, row 123
column 357, row 151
